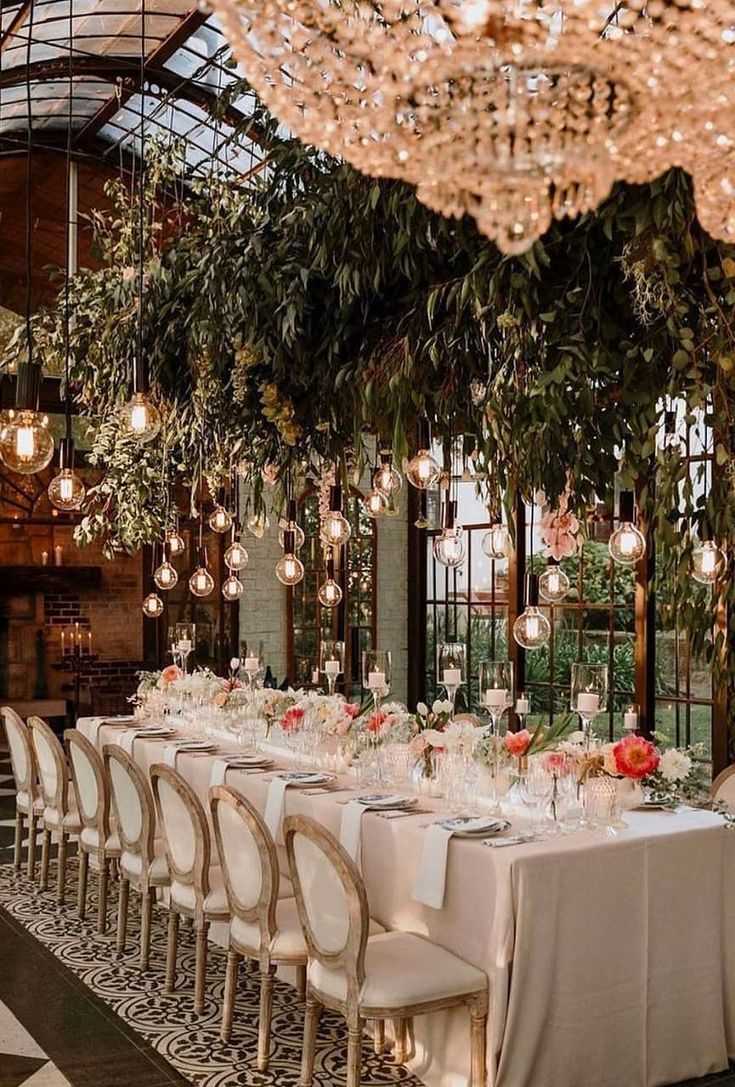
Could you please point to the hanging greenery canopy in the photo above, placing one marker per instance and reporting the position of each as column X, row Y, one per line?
column 287, row 320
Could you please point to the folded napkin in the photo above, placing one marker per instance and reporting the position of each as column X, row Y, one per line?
column 129, row 738
column 432, row 874
column 171, row 751
column 219, row 771
column 350, row 830
column 95, row 724
column 274, row 805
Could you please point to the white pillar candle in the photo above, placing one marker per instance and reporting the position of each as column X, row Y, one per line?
column 496, row 698
column 315, row 675
column 184, row 645
column 58, row 555
column 331, row 668
column 376, row 680
column 523, row 706
column 630, row 720
column 588, row 703
column 452, row 677
column 252, row 664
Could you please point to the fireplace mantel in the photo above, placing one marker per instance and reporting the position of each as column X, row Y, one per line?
column 19, row 579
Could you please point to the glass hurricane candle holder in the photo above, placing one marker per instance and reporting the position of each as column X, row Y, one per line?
column 451, row 668
column 376, row 674
column 496, row 696
column 332, row 662
column 588, row 694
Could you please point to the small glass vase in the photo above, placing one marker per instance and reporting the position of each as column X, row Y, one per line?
column 602, row 804
column 427, row 773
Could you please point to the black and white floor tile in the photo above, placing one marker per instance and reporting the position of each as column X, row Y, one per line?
column 22, row 1061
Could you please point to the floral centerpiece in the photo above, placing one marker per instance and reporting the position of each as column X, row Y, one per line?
column 428, row 728
column 669, row 776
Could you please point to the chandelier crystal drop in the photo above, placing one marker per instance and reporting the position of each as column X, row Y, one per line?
column 708, row 563
column 516, row 113
column 627, row 544
column 152, row 606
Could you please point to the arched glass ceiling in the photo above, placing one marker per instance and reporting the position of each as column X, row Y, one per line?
column 186, row 70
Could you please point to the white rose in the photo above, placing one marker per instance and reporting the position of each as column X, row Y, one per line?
column 674, row 765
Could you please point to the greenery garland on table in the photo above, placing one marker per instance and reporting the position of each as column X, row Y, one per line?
column 287, row 320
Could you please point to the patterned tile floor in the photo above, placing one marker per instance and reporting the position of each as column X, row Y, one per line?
column 72, row 1015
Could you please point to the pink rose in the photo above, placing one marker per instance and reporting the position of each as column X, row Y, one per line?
column 555, row 763
column 171, row 673
column 351, row 710
column 517, row 743
column 418, row 744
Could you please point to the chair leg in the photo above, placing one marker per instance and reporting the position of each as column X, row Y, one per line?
column 61, row 869
column 82, row 892
column 172, row 943
column 228, row 1004
column 311, row 1024
column 122, row 914
column 146, row 909
column 45, row 851
column 200, row 966
column 478, row 1035
column 18, row 842
column 31, row 872
column 264, row 1020
column 301, row 981
column 399, row 1051
column 378, row 1037
column 102, row 904
column 354, row 1053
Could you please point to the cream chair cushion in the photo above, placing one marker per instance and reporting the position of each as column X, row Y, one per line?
column 402, row 969
column 182, row 894
column 70, row 821
column 289, row 942
column 23, row 803
column 132, row 864
column 90, row 837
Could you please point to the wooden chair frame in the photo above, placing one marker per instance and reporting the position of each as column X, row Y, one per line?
column 27, row 784
column 196, row 877
column 58, row 802
column 143, row 846
column 351, row 959
column 100, row 822
column 262, row 914
column 721, row 778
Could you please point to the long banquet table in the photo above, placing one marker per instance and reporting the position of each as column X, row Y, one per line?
column 611, row 960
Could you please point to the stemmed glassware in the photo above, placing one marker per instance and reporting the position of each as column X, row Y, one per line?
column 332, row 662
column 536, row 788
column 376, row 674
column 496, row 696
column 451, row 668
column 185, row 636
column 588, row 694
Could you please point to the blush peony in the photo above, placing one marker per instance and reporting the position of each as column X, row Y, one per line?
column 517, row 743
column 171, row 674
column 635, row 757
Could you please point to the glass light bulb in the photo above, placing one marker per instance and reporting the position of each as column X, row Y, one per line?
column 449, row 547
column 232, row 588
column 236, row 557
column 66, row 490
column 708, row 563
column 176, row 544
column 553, row 584
column 140, row 418
column 335, row 529
column 495, row 542
column 291, row 526
column 152, row 606
column 387, row 480
column 289, row 570
column 26, row 446
column 165, row 575
column 220, row 519
column 422, row 470
column 532, row 630
column 201, row 582
column 258, row 524
column 330, row 594
column 374, row 503
column 627, row 545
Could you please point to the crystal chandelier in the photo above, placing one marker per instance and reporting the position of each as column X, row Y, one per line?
column 516, row 111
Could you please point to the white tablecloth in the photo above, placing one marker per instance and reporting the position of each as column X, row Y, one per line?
column 611, row 961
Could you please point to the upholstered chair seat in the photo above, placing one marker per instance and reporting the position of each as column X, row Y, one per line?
column 29, row 803
column 60, row 815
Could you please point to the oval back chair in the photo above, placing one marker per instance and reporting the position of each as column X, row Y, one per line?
column 28, row 803
column 60, row 816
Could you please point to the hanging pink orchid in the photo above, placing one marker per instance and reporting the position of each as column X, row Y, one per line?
column 560, row 531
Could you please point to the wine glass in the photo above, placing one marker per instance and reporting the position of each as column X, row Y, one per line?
column 332, row 662
column 588, row 694
column 535, row 786
column 376, row 674
column 496, row 696
column 451, row 668
column 185, row 636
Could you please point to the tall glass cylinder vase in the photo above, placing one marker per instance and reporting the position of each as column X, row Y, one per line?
column 496, row 696
column 588, row 695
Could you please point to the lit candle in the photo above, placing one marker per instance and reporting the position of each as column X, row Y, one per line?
column 496, row 698
column 452, row 677
column 184, row 645
column 630, row 720
column 58, row 554
column 376, row 680
column 44, row 558
column 331, row 668
column 89, row 642
column 523, row 706
column 252, row 664
column 588, row 703
column 315, row 675
column 63, row 643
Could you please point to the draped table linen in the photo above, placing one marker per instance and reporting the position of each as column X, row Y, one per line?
column 611, row 962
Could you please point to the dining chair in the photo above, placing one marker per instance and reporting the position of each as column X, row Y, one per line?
column 28, row 801
column 197, row 887
column 723, row 787
column 393, row 975
column 142, row 860
column 96, row 840
column 60, row 815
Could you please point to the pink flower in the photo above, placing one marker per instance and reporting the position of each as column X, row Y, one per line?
column 635, row 757
column 351, row 710
column 555, row 762
column 419, row 744
column 171, row 673
column 559, row 531
column 376, row 721
column 516, row 743
column 292, row 719
column 128, row 274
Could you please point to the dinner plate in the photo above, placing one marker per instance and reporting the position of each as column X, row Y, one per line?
column 156, row 730
column 197, row 745
column 305, row 777
column 470, row 826
column 386, row 801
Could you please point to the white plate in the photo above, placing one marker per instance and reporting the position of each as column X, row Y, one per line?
column 304, row 777
column 474, row 827
column 386, row 802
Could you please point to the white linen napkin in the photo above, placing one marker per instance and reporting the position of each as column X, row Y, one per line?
column 350, row 830
column 274, row 806
column 129, row 738
column 95, row 724
column 219, row 771
column 432, row 874
column 170, row 751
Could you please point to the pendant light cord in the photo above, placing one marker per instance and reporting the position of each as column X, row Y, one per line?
column 67, row 313
column 29, row 184
column 141, row 184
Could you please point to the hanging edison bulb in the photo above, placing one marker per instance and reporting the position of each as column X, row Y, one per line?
column 232, row 588
column 66, row 490
column 495, row 542
column 708, row 563
column 258, row 524
column 220, row 519
column 176, row 542
column 386, row 478
column 449, row 547
column 289, row 568
column 140, row 418
column 165, row 575
column 289, row 523
column 532, row 629
column 335, row 529
column 422, row 470
column 374, row 503
column 201, row 581
column 553, row 583
column 330, row 593
column 236, row 557
column 627, row 545
column 152, row 606
column 26, row 444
